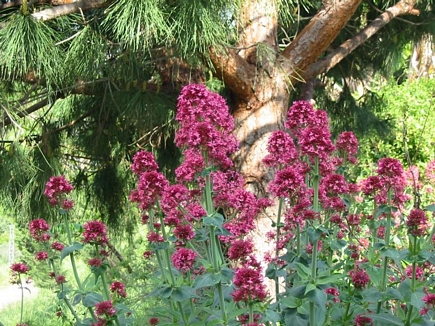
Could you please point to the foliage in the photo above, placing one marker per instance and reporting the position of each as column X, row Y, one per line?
column 344, row 252
column 83, row 92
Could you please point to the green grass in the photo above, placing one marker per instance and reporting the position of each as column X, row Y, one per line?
column 40, row 310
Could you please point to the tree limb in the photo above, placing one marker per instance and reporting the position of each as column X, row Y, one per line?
column 70, row 8
column 403, row 7
column 233, row 70
column 317, row 36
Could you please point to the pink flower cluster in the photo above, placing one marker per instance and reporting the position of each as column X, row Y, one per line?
column 55, row 190
column 38, row 230
column 205, row 125
column 95, row 232
column 184, row 259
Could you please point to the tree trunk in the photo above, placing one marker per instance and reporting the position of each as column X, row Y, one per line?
column 260, row 77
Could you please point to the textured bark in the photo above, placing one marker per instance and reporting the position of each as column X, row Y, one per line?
column 332, row 59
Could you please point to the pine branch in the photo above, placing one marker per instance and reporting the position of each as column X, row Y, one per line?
column 66, row 9
column 403, row 7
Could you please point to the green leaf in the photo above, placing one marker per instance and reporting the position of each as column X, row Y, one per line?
column 297, row 291
column 319, row 297
column 90, row 299
column 183, row 293
column 417, row 299
column 329, row 279
column 205, row 280
column 338, row 244
column 310, row 287
column 430, row 208
column 372, row 295
column 227, row 274
column 303, row 271
column 386, row 319
column 314, row 234
column 394, row 294
column 68, row 250
column 290, row 302
column 214, row 219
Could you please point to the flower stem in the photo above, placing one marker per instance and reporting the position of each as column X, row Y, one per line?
column 71, row 255
column 385, row 262
column 316, row 181
column 278, row 233
column 22, row 298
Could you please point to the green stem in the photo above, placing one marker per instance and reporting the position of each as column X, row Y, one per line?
column 222, row 302
column 251, row 313
column 22, row 298
column 413, row 280
column 71, row 255
column 278, row 233
column 316, row 181
column 385, row 260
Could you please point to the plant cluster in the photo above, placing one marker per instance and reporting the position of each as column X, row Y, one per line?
column 346, row 251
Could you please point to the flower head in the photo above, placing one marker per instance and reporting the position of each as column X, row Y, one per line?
column 60, row 279
column 38, row 230
column 153, row 321
column 316, row 142
column 183, row 259
column 281, row 149
column 56, row 245
column 417, row 222
column 360, row 278
column 19, row 268
column 143, row 162
column 361, row 320
column 240, row 249
column 95, row 232
column 56, row 187
column 249, row 285
column 347, row 145
column 105, row 308
column 149, row 188
column 205, row 124
column 118, row 288
column 42, row 255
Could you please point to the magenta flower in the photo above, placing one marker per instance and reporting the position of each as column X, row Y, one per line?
column 150, row 187
column 184, row 232
column 153, row 321
column 56, row 245
column 288, row 182
column 183, row 259
column 332, row 291
column 19, row 268
column 42, row 255
column 281, row 149
column 56, row 187
column 360, row 278
column 429, row 300
column 419, row 272
column 240, row 249
column 249, row 285
column 347, row 145
column 361, row 320
column 95, row 232
column 95, row 262
column 417, row 222
column 316, row 142
column 154, row 237
column 105, row 308
column 60, row 279
column 118, row 288
column 143, row 162
column 192, row 165
column 38, row 230
column 300, row 115
column 205, row 124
